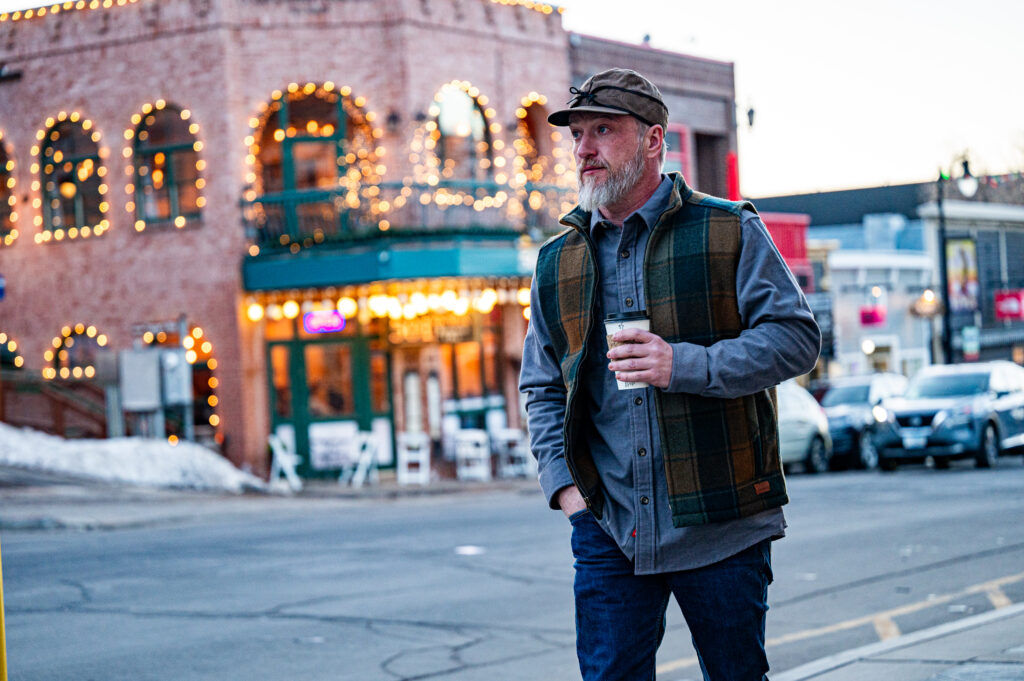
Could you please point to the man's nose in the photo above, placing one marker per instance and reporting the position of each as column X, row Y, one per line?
column 585, row 147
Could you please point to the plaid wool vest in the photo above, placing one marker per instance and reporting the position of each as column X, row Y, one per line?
column 721, row 455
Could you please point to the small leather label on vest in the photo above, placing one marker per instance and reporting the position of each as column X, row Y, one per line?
column 762, row 487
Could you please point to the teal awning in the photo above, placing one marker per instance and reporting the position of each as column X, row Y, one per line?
column 492, row 255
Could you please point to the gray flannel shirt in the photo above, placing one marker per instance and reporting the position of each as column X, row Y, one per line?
column 781, row 341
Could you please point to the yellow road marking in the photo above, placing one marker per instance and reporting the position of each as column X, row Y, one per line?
column 997, row 598
column 886, row 628
column 992, row 589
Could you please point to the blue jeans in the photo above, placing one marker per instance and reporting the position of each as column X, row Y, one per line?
column 620, row 616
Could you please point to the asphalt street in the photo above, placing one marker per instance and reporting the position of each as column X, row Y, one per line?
column 473, row 585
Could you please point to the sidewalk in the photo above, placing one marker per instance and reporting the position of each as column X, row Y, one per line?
column 31, row 500
column 986, row 647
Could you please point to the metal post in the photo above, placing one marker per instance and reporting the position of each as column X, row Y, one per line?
column 947, row 341
column 3, row 638
column 189, row 419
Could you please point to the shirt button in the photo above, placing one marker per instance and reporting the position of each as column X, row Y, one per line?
column 644, row 500
column 638, row 401
column 641, row 452
column 629, row 302
column 625, row 253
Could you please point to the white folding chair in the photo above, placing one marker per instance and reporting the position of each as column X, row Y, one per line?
column 514, row 458
column 413, row 463
column 472, row 455
column 283, row 461
column 365, row 466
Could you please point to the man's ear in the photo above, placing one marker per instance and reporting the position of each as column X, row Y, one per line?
column 655, row 138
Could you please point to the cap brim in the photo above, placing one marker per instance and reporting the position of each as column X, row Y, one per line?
column 561, row 118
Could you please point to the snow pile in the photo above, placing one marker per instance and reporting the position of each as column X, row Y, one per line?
column 133, row 460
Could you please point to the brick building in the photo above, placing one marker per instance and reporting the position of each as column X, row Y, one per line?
column 329, row 210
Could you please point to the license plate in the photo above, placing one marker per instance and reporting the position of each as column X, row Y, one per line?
column 914, row 442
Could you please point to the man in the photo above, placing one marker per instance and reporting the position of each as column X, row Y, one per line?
column 675, row 487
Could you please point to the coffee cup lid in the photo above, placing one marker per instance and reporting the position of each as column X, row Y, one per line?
column 626, row 316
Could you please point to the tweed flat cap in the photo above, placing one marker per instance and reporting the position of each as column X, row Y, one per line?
column 619, row 92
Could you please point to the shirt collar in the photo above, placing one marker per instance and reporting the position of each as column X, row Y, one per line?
column 647, row 213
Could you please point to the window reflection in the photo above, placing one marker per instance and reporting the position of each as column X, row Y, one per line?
column 329, row 380
column 464, row 144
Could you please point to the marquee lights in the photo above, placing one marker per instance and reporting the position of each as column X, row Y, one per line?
column 394, row 300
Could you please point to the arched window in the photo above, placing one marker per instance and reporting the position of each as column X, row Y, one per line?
column 73, row 188
column 8, row 232
column 541, row 167
column 461, row 134
column 168, row 183
column 534, row 143
column 10, row 358
column 74, row 353
column 316, row 166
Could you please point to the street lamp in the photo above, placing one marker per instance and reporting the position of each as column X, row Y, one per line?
column 968, row 186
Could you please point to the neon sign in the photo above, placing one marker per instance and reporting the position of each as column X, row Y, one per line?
column 323, row 321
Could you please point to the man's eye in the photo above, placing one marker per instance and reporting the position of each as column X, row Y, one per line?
column 602, row 129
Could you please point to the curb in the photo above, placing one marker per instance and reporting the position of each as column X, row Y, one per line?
column 832, row 662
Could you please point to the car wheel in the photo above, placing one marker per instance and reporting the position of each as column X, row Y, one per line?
column 867, row 453
column 887, row 465
column 988, row 455
column 941, row 462
column 817, row 457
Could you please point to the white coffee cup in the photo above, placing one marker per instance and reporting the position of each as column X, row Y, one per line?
column 614, row 323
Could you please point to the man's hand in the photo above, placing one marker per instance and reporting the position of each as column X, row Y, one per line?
column 642, row 357
column 571, row 501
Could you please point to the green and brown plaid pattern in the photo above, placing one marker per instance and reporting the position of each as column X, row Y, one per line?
column 721, row 455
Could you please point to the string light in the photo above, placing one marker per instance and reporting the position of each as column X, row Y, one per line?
column 10, row 347
column 150, row 171
column 63, row 359
column 8, row 216
column 77, row 179
column 198, row 352
column 359, row 159
column 60, row 7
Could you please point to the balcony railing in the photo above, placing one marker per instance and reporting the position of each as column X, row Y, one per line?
column 307, row 218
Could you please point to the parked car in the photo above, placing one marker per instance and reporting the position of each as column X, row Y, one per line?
column 952, row 412
column 848, row 403
column 803, row 429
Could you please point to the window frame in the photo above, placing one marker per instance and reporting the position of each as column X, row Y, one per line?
column 683, row 155
column 8, row 195
column 142, row 150
column 45, row 177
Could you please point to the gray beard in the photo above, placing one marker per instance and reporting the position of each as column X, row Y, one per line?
column 615, row 188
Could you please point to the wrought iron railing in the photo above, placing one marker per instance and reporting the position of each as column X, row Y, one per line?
column 306, row 218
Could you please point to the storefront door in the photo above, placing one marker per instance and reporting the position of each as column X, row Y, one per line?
column 323, row 393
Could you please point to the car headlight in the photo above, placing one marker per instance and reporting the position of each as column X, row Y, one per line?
column 881, row 414
column 951, row 418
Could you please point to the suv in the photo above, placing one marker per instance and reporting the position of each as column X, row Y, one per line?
column 848, row 403
column 952, row 412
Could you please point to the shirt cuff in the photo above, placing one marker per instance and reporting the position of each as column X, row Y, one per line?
column 554, row 477
column 689, row 369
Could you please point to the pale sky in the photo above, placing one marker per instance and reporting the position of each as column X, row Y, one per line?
column 846, row 94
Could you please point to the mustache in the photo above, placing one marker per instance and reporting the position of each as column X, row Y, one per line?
column 589, row 166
